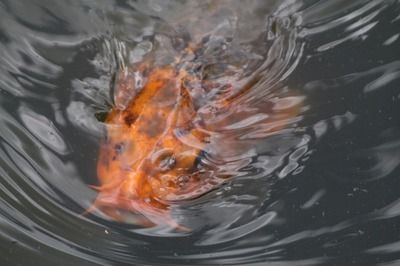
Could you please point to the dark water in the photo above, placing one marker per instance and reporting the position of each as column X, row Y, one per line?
column 323, row 190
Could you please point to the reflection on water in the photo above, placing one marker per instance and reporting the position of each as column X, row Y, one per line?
column 317, row 188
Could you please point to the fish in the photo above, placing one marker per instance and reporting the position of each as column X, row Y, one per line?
column 143, row 164
column 148, row 160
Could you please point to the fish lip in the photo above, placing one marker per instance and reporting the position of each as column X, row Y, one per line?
column 136, row 212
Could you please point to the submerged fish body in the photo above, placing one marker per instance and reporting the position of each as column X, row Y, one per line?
column 148, row 160
column 143, row 164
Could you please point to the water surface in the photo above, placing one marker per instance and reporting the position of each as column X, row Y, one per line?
column 322, row 190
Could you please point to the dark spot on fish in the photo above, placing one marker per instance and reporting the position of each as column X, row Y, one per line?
column 129, row 119
column 119, row 148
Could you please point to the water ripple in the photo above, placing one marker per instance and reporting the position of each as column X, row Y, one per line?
column 304, row 167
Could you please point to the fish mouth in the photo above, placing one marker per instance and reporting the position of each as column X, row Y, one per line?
column 140, row 212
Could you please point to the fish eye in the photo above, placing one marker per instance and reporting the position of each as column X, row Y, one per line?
column 167, row 164
column 164, row 160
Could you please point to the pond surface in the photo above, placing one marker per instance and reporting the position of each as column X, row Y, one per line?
column 320, row 186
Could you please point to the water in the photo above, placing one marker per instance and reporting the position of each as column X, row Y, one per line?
column 319, row 187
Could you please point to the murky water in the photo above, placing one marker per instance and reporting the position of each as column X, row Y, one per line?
column 318, row 187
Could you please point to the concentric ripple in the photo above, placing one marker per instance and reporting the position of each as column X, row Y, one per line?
column 316, row 187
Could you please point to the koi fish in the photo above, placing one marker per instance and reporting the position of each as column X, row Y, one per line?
column 148, row 160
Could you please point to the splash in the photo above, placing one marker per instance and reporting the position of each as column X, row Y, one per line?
column 149, row 160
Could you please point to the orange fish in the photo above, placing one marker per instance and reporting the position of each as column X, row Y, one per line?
column 148, row 160
column 143, row 164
